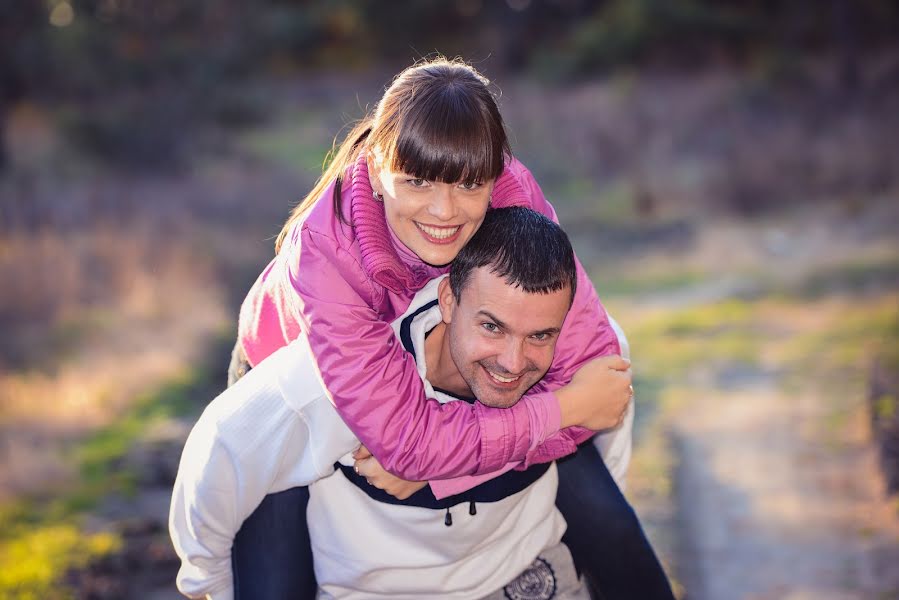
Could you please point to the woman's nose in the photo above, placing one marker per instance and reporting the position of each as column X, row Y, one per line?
column 443, row 203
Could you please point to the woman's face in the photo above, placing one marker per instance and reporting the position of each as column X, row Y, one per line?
column 431, row 218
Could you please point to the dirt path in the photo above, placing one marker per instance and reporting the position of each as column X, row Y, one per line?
column 769, row 508
column 755, row 473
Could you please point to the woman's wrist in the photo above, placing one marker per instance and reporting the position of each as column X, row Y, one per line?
column 567, row 407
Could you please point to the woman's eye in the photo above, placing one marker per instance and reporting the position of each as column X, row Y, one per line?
column 417, row 182
column 470, row 186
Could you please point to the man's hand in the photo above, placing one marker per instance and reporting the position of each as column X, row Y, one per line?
column 369, row 467
column 598, row 395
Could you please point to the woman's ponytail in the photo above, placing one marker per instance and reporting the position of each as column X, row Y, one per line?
column 336, row 164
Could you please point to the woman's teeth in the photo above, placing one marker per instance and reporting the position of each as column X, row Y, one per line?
column 441, row 233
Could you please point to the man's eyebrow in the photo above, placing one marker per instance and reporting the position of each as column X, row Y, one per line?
column 550, row 331
column 492, row 317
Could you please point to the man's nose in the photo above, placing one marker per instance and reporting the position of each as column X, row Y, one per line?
column 512, row 360
column 443, row 203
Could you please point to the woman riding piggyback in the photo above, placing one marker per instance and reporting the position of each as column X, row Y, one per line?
column 402, row 195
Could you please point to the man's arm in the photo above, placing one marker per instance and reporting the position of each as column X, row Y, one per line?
column 272, row 431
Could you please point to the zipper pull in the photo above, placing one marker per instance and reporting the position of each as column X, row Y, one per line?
column 448, row 521
column 471, row 509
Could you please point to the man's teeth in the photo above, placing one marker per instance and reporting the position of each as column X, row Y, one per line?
column 438, row 232
column 502, row 379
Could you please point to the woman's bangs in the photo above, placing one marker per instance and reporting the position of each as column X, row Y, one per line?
column 449, row 144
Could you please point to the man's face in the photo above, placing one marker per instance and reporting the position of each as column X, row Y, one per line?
column 501, row 338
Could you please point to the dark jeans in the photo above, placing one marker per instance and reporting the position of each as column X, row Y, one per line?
column 272, row 555
column 604, row 534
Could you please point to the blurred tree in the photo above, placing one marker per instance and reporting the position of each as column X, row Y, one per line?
column 133, row 75
column 845, row 17
column 695, row 32
column 21, row 32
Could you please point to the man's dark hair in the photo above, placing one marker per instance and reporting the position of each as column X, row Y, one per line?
column 523, row 247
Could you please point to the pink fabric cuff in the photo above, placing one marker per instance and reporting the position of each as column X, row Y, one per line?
column 545, row 417
column 496, row 426
column 443, row 488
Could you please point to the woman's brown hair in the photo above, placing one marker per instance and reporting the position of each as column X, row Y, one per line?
column 438, row 121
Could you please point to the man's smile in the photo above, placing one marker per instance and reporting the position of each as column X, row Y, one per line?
column 502, row 380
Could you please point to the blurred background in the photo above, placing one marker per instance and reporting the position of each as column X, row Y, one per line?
column 728, row 172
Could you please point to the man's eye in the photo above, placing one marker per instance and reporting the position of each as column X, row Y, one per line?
column 540, row 337
column 491, row 327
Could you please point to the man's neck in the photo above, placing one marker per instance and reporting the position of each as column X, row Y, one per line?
column 442, row 371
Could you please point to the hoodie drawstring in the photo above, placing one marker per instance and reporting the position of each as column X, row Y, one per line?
column 472, row 510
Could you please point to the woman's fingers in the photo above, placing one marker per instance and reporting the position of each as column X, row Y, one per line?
column 361, row 452
column 375, row 475
column 366, row 467
column 613, row 361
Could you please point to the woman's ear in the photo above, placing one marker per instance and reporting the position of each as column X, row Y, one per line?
column 375, row 162
column 446, row 300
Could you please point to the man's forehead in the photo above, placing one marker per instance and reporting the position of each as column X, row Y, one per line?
column 488, row 293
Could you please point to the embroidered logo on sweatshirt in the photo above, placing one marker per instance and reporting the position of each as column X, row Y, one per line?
column 537, row 582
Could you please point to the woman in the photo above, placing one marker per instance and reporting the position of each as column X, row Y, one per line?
column 403, row 193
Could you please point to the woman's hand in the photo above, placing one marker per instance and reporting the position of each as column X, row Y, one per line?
column 369, row 467
column 598, row 394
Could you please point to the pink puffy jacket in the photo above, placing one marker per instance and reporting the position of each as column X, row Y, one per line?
column 342, row 285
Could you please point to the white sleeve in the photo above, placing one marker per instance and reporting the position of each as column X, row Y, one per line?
column 203, row 519
column 275, row 429
column 615, row 445
column 247, row 443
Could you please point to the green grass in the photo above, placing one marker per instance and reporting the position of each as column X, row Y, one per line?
column 665, row 346
column 615, row 203
column 850, row 340
column 614, row 286
column 33, row 562
column 853, row 276
column 293, row 141
column 42, row 539
column 612, row 203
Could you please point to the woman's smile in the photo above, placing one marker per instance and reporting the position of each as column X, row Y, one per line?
column 439, row 234
column 433, row 219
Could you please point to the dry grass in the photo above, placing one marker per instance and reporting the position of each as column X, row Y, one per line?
column 649, row 146
column 96, row 322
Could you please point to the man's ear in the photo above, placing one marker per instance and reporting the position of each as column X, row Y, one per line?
column 446, row 300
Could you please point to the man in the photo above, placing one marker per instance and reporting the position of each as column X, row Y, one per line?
column 492, row 333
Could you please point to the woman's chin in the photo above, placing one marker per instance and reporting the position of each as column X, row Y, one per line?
column 438, row 257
